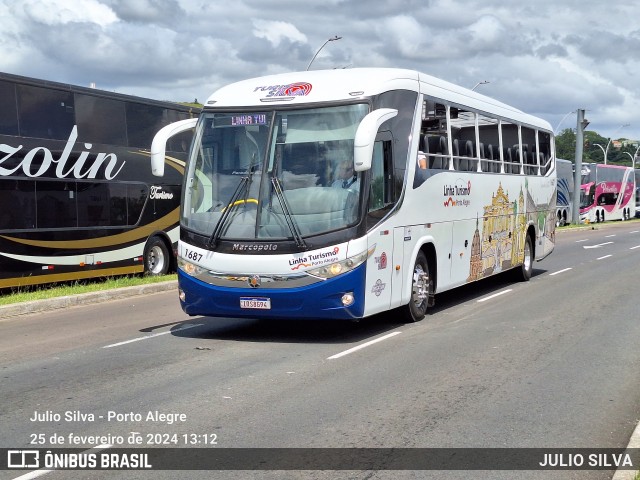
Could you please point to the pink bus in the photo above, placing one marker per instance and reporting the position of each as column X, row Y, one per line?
column 607, row 192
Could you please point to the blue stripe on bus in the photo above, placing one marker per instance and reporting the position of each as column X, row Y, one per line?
column 321, row 300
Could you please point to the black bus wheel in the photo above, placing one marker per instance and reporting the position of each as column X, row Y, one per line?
column 156, row 257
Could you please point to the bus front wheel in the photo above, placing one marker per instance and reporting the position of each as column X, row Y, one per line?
column 421, row 289
column 156, row 257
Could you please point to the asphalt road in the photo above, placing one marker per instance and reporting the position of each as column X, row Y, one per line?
column 552, row 363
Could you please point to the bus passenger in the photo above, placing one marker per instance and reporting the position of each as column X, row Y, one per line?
column 422, row 160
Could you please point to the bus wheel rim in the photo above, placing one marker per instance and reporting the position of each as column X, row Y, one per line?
column 156, row 259
column 420, row 286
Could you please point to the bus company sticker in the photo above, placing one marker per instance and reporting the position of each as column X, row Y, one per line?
column 459, row 189
column 314, row 259
column 378, row 287
column 407, row 234
column 381, row 261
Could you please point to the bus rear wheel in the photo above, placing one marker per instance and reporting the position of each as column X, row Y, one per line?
column 156, row 257
column 526, row 269
column 421, row 290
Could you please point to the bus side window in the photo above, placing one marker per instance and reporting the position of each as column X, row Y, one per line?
column 381, row 190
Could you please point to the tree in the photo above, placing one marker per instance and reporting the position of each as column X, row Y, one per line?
column 566, row 144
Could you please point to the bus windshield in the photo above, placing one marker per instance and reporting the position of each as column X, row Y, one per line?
column 273, row 174
column 587, row 196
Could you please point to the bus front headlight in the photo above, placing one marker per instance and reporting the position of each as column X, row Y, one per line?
column 189, row 268
column 338, row 268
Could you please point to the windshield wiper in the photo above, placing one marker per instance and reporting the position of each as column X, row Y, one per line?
column 217, row 232
column 291, row 222
column 243, row 186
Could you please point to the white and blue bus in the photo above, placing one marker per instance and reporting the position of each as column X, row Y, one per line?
column 340, row 194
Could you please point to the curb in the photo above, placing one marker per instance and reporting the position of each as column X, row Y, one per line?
column 26, row 308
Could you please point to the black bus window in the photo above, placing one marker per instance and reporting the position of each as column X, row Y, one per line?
column 143, row 122
column 93, row 204
column 56, row 205
column 137, row 197
column 8, row 109
column 19, row 205
column 117, row 199
column 45, row 113
column 100, row 120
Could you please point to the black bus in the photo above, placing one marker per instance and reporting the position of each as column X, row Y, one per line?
column 77, row 198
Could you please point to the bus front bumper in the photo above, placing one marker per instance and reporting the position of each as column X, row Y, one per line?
column 321, row 300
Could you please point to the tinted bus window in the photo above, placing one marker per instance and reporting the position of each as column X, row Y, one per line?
column 136, row 198
column 143, row 121
column 100, row 120
column 93, row 205
column 45, row 113
column 17, row 198
column 56, row 205
column 8, row 109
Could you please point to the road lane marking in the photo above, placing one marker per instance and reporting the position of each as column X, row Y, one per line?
column 41, row 472
column 602, row 258
column 633, row 248
column 635, row 231
column 597, row 246
column 495, row 295
column 185, row 327
column 609, row 236
column 583, row 240
column 364, row 345
column 560, row 271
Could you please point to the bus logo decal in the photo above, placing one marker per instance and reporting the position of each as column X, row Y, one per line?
column 301, row 265
column 254, row 281
column 459, row 189
column 378, row 287
column 315, row 259
column 382, row 261
column 158, row 194
column 299, row 89
column 46, row 161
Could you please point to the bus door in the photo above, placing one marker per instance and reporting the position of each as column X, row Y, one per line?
column 380, row 289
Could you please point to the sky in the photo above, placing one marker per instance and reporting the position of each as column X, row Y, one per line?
column 547, row 57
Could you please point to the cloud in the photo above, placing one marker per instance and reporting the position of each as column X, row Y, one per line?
column 62, row 12
column 147, row 11
column 277, row 31
column 545, row 57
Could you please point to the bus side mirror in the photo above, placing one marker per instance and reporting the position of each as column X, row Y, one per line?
column 366, row 136
column 159, row 144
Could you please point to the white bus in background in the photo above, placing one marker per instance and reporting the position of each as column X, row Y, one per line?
column 564, row 203
column 340, row 194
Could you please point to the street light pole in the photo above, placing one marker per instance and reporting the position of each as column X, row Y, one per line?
column 633, row 158
column 609, row 142
column 604, row 152
column 332, row 39
column 580, row 127
column 555, row 132
column 484, row 82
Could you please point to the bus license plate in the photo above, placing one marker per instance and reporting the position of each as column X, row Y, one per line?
column 260, row 303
